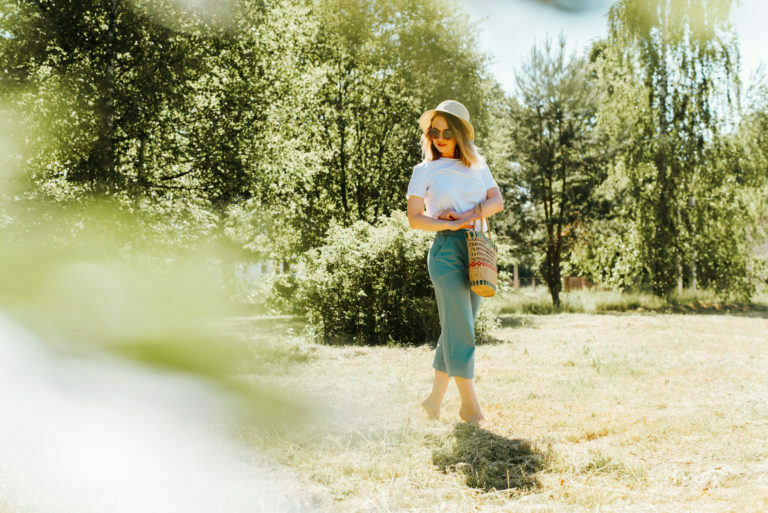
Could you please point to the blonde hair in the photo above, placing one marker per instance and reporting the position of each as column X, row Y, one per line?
column 465, row 150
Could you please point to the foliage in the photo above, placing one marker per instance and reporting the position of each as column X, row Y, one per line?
column 719, row 223
column 608, row 248
column 679, row 76
column 174, row 119
column 369, row 285
column 71, row 279
column 557, row 152
column 753, row 164
column 379, row 66
column 266, row 124
column 515, row 224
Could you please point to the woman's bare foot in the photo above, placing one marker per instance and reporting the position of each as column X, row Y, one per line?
column 432, row 409
column 471, row 417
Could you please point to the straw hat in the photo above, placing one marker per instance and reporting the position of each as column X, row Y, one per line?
column 451, row 107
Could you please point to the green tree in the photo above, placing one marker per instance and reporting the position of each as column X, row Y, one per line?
column 383, row 64
column 375, row 67
column 679, row 58
column 97, row 73
column 557, row 151
column 179, row 115
column 723, row 220
column 264, row 123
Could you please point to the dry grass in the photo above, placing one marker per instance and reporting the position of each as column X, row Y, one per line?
column 610, row 413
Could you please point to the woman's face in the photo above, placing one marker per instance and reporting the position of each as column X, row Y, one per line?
column 446, row 147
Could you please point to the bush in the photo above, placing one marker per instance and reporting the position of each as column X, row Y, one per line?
column 272, row 294
column 369, row 285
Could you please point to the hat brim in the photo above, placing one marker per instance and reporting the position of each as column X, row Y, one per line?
column 426, row 119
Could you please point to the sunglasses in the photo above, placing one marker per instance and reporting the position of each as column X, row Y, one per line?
column 434, row 134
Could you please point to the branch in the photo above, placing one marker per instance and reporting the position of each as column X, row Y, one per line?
column 177, row 187
column 179, row 175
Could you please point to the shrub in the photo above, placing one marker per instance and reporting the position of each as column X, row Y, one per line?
column 272, row 294
column 369, row 285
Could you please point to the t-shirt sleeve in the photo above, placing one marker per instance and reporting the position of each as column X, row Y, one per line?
column 488, row 180
column 418, row 184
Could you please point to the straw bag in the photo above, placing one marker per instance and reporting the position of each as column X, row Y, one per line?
column 482, row 260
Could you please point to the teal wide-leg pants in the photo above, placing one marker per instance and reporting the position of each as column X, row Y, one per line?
column 457, row 305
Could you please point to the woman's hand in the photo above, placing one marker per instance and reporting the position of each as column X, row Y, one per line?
column 463, row 220
column 448, row 215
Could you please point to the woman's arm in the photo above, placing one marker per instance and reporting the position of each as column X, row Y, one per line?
column 493, row 203
column 420, row 221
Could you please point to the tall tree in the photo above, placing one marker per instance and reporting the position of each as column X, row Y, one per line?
column 95, row 71
column 287, row 117
column 383, row 64
column 556, row 148
column 684, row 56
column 377, row 65
column 177, row 114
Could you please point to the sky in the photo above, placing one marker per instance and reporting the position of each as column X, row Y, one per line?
column 510, row 27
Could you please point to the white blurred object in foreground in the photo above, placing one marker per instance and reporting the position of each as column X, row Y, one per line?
column 97, row 434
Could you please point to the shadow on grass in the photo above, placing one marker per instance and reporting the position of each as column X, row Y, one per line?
column 504, row 321
column 507, row 320
column 489, row 461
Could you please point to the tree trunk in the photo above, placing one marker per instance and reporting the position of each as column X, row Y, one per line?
column 342, row 126
column 551, row 274
column 140, row 178
column 662, row 249
column 106, row 150
column 516, row 278
column 694, row 285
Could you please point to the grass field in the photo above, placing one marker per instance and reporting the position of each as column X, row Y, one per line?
column 610, row 412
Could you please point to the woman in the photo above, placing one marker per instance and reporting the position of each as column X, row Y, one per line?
column 455, row 185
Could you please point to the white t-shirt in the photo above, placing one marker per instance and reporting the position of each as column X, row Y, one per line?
column 447, row 183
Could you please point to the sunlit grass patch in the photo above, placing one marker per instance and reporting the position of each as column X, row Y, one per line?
column 589, row 434
column 276, row 342
column 539, row 301
column 614, row 365
column 604, row 462
column 617, row 412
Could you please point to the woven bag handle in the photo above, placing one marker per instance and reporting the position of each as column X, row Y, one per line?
column 479, row 208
